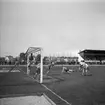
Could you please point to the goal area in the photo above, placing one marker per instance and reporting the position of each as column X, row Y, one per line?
column 36, row 69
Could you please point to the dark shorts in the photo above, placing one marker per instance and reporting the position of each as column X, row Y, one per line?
column 49, row 66
column 81, row 66
column 38, row 70
column 66, row 70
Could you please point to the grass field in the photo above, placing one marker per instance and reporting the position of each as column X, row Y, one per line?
column 75, row 88
column 82, row 90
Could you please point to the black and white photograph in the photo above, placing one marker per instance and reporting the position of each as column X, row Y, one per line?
column 52, row 52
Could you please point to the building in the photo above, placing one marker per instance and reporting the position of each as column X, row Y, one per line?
column 95, row 55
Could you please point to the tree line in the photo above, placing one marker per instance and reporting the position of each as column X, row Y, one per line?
column 22, row 59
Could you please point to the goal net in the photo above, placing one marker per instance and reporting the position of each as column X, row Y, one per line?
column 35, row 62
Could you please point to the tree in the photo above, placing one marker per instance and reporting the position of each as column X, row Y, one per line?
column 22, row 57
column 2, row 60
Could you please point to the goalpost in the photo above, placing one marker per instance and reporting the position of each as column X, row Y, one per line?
column 33, row 50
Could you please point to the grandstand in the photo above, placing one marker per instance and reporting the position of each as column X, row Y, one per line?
column 93, row 56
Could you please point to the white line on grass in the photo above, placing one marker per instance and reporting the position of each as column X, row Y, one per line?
column 52, row 103
column 50, row 90
column 6, row 71
column 56, row 94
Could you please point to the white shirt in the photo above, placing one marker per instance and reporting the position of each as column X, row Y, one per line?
column 38, row 65
column 84, row 64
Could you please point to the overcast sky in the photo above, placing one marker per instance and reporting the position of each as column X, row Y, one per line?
column 57, row 26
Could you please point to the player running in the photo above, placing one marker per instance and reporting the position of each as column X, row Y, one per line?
column 50, row 65
column 83, row 67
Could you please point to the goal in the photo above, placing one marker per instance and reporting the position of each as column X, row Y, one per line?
column 32, row 53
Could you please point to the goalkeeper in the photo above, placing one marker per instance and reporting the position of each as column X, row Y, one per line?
column 66, row 70
column 84, row 67
column 31, row 58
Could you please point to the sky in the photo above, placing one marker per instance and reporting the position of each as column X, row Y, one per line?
column 59, row 27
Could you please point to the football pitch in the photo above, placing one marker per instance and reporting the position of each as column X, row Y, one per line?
column 78, row 89
column 75, row 88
